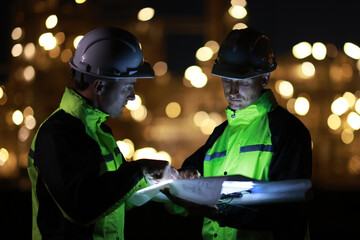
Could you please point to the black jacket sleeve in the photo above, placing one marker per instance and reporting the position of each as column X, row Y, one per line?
column 68, row 162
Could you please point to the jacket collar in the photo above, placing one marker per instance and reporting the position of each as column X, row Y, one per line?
column 76, row 105
column 264, row 104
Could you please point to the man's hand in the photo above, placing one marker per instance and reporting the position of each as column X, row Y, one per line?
column 157, row 170
column 193, row 208
column 189, row 174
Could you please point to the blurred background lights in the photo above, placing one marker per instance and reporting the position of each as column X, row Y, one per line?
column 354, row 165
column 173, row 110
column 29, row 51
column 334, row 121
column 60, row 37
column 339, row 106
column 302, row 106
column 204, row 54
column 284, row 88
column 350, row 98
column 17, row 117
column 213, row 45
column 1, row 92
column 16, row 33
column 239, row 26
column 77, row 40
column 319, row 51
column 47, row 41
column 352, row 50
column 16, row 50
column 29, row 73
column 151, row 153
column 347, row 136
column 80, row 1
column 28, row 111
column 139, row 114
column 134, row 104
column 195, row 75
column 357, row 105
column 51, row 21
column 4, row 156
column 53, row 53
column 23, row 134
column 146, row 14
column 66, row 55
column 30, row 122
column 237, row 12
column 160, row 68
column 199, row 117
column 207, row 126
column 308, row 69
column 301, row 50
column 238, row 3
column 353, row 120
column 126, row 147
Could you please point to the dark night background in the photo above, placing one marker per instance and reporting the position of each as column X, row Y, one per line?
column 333, row 212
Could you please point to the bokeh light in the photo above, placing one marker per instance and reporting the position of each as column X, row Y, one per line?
column 319, row 51
column 51, row 21
column 4, row 156
column 352, row 50
column 16, row 50
column 334, row 121
column 308, row 69
column 160, row 68
column 302, row 50
column 126, row 147
column 213, row 45
column 17, row 117
column 146, row 14
column 173, row 110
column 77, row 40
column 353, row 120
column 29, row 51
column 339, row 106
column 47, row 41
column 134, row 104
column 347, row 136
column 204, row 54
column 237, row 12
column 139, row 114
column 302, row 106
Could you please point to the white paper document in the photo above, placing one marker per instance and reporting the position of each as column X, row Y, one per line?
column 234, row 189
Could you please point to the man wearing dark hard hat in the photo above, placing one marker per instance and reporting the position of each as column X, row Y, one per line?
column 80, row 180
column 259, row 140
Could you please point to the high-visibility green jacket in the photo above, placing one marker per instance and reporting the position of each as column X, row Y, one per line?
column 264, row 142
column 80, row 181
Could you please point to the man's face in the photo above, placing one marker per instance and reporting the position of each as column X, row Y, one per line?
column 115, row 96
column 240, row 93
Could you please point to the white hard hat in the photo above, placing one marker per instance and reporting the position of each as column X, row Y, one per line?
column 110, row 53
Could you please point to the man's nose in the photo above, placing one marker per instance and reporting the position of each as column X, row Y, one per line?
column 234, row 87
column 131, row 95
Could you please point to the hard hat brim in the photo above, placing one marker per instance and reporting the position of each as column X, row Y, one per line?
column 223, row 70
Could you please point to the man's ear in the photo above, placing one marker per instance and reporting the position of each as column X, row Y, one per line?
column 265, row 80
column 99, row 87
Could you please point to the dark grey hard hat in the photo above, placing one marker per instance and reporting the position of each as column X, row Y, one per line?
column 110, row 53
column 244, row 53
